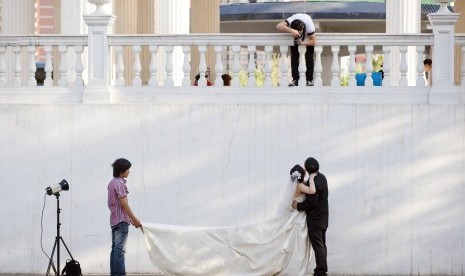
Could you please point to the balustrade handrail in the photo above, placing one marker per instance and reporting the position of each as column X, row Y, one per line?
column 43, row 40
column 368, row 43
column 211, row 39
column 351, row 39
column 267, row 39
column 245, row 39
column 460, row 39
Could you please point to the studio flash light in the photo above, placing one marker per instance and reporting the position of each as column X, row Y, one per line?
column 55, row 189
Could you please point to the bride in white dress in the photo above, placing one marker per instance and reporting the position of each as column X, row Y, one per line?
column 276, row 246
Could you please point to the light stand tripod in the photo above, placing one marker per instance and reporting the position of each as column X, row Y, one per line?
column 56, row 246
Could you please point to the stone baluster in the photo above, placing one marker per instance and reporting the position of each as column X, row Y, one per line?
column 284, row 66
column 302, row 66
column 17, row 66
column 352, row 50
column 268, row 66
column 3, row 80
column 369, row 65
column 136, row 66
column 169, row 82
column 202, row 66
column 186, row 67
column 420, row 68
column 251, row 66
column 31, row 82
column 236, row 66
column 318, row 66
column 48, row 66
column 219, row 66
column 463, row 66
column 335, row 68
column 79, row 67
column 403, row 68
column 387, row 66
column 63, row 68
column 119, row 66
column 153, row 65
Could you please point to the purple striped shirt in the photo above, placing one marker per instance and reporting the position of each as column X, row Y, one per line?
column 117, row 189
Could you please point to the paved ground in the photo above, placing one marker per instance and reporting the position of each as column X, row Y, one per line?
column 28, row 274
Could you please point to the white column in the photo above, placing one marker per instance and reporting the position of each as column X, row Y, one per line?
column 71, row 17
column 403, row 17
column 442, row 90
column 71, row 24
column 172, row 17
column 17, row 18
column 98, row 68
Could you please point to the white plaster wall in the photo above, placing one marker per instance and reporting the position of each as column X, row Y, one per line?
column 395, row 172
column 403, row 17
column 172, row 17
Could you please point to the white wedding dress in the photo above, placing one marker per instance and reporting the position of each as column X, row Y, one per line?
column 276, row 246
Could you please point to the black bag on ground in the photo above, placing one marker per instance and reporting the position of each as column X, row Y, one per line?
column 72, row 268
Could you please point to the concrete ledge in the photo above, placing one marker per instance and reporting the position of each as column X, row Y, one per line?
column 235, row 95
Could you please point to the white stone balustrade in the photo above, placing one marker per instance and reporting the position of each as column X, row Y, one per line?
column 30, row 44
column 252, row 46
column 248, row 47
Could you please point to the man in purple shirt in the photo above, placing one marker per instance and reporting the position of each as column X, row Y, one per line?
column 121, row 215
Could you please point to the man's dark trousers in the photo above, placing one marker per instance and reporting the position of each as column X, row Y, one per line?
column 295, row 55
column 318, row 241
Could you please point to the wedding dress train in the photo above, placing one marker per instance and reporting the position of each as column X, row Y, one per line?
column 276, row 246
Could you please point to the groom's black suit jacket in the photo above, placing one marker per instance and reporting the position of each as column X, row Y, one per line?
column 316, row 205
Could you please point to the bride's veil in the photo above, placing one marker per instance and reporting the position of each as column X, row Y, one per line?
column 285, row 200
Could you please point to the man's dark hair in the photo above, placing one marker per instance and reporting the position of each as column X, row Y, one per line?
column 299, row 25
column 120, row 166
column 427, row 61
column 311, row 165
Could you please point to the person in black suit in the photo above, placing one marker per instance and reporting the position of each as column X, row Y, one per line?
column 316, row 209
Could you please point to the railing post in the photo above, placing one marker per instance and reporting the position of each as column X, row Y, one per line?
column 186, row 68
column 236, row 66
column 268, row 66
column 443, row 23
column 318, row 69
column 335, row 68
column 463, row 66
column 251, row 66
column 420, row 67
column 352, row 49
column 218, row 66
column 97, row 90
column 3, row 80
column 369, row 65
column 302, row 66
column 283, row 66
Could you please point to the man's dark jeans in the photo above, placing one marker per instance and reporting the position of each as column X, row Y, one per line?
column 295, row 55
column 318, row 241
column 119, row 236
